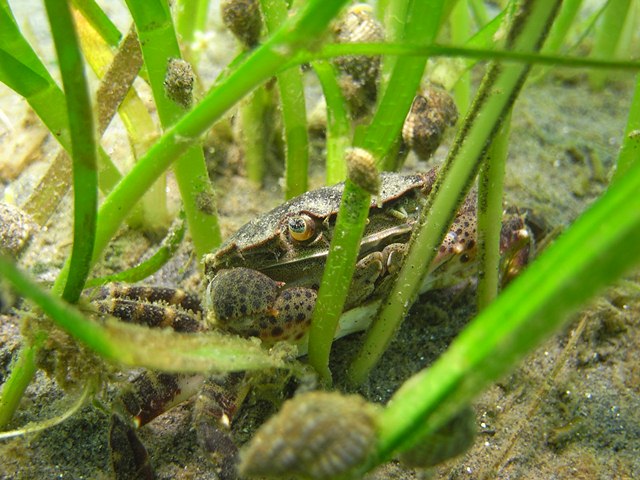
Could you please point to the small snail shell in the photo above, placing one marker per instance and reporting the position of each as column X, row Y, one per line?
column 316, row 435
column 361, row 170
column 243, row 18
column 451, row 440
column 431, row 113
column 359, row 73
column 359, row 24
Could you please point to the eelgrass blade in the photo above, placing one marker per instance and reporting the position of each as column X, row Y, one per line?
column 253, row 132
column 608, row 36
column 423, row 21
column 490, row 189
column 559, row 32
column 479, row 10
column 293, row 108
column 163, row 350
column 22, row 71
column 191, row 18
column 393, row 15
column 160, row 45
column 437, row 50
column 495, row 97
column 460, row 24
column 254, row 69
column 595, row 251
column 23, row 369
column 99, row 21
column 117, row 71
column 563, row 23
column 338, row 126
column 630, row 151
column 154, row 263
column 422, row 25
column 337, row 274
column 83, row 145
column 117, row 78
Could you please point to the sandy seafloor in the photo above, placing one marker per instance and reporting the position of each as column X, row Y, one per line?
column 564, row 413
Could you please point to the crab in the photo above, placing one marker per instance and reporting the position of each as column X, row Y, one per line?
column 263, row 281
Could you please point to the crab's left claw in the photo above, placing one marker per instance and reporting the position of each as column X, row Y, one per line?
column 251, row 304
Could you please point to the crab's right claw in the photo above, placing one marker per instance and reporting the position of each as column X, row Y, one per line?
column 516, row 247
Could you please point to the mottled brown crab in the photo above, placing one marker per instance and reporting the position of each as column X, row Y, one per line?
column 263, row 280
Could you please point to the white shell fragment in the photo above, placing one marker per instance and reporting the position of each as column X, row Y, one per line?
column 317, row 435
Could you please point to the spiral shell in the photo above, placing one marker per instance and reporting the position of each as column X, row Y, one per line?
column 243, row 18
column 359, row 73
column 359, row 24
column 451, row 440
column 431, row 113
column 316, row 435
column 361, row 170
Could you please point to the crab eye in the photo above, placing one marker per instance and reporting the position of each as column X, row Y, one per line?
column 301, row 227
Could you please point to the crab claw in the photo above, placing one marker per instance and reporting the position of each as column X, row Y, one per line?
column 240, row 295
column 251, row 304
column 459, row 244
column 516, row 247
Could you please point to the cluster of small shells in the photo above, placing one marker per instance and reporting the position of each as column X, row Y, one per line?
column 316, row 435
column 359, row 73
column 432, row 111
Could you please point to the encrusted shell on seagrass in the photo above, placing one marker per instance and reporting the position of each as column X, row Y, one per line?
column 179, row 81
column 243, row 18
column 451, row 440
column 316, row 435
column 359, row 73
column 359, row 24
column 432, row 111
column 361, row 170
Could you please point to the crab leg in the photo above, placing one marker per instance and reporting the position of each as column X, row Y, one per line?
column 152, row 394
column 152, row 294
column 214, row 411
column 129, row 457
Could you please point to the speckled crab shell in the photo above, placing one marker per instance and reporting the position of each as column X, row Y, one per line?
column 257, row 244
